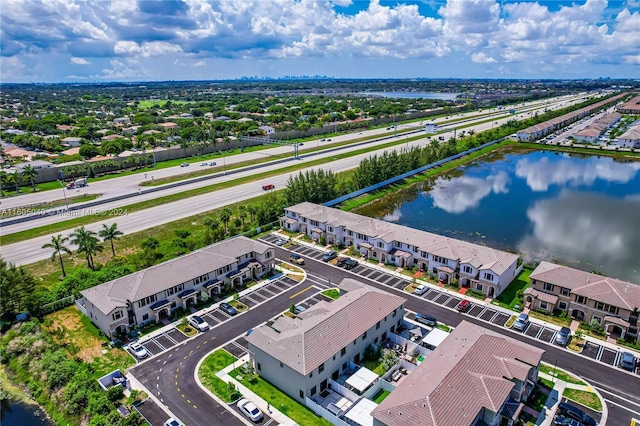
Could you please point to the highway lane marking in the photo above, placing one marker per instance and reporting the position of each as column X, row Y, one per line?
column 622, row 406
column 190, row 352
column 300, row 292
column 182, row 395
column 176, row 376
column 604, row 387
column 618, row 396
column 181, row 362
column 189, row 401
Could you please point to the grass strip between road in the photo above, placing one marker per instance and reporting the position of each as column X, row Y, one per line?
column 131, row 208
column 207, row 374
column 586, row 398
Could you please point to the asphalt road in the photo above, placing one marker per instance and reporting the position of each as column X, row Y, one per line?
column 174, row 370
column 29, row 251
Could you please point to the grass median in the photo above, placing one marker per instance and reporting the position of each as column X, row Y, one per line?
column 207, row 374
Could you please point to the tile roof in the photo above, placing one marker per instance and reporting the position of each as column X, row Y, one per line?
column 595, row 287
column 113, row 294
column 481, row 257
column 321, row 331
column 472, row 369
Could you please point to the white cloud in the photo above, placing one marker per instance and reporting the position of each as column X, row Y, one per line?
column 79, row 61
column 481, row 58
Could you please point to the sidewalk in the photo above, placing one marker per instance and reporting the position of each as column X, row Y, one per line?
column 485, row 302
column 267, row 409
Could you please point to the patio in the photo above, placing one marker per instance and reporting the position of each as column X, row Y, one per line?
column 333, row 402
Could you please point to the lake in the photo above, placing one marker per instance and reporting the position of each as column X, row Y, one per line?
column 415, row 95
column 20, row 414
column 576, row 210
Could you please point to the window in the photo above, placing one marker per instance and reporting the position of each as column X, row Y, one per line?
column 354, row 342
column 597, row 319
column 613, row 310
column 397, row 244
column 313, row 391
column 488, row 276
column 378, row 325
column 467, row 269
column 562, row 306
column 344, row 366
column 384, row 336
column 335, row 375
column 117, row 315
column 439, row 259
column 600, row 306
column 548, row 286
column 564, row 291
column 301, row 394
column 479, row 287
column 380, row 244
column 259, row 367
column 394, row 312
column 350, row 233
column 343, row 351
column 311, row 374
column 321, row 368
column 281, row 365
column 364, row 336
column 356, row 359
column 145, row 317
column 543, row 305
column 331, row 229
column 580, row 299
column 375, row 341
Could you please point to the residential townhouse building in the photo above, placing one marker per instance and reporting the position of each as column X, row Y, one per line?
column 474, row 377
column 453, row 261
column 630, row 138
column 302, row 355
column 150, row 295
column 632, row 106
column 586, row 297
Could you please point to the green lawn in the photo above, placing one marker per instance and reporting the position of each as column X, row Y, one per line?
column 508, row 297
column 549, row 369
column 375, row 366
column 380, row 396
column 279, row 400
column 332, row 293
column 207, row 373
column 585, row 398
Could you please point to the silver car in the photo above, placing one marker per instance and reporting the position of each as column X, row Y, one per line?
column 521, row 323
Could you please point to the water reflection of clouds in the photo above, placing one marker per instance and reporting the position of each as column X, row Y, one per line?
column 595, row 228
column 541, row 174
column 461, row 193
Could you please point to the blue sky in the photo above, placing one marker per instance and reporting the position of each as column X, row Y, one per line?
column 127, row 40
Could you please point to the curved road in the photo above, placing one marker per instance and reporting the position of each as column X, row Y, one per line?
column 171, row 375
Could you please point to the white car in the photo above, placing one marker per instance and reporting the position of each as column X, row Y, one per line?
column 172, row 422
column 138, row 350
column 249, row 409
column 198, row 323
column 420, row 290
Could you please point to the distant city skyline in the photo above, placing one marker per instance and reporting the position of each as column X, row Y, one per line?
column 161, row 40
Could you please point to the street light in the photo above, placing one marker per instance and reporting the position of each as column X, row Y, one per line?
column 64, row 193
column 224, row 166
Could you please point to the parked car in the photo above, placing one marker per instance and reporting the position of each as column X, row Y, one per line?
column 563, row 336
column 521, row 322
column 138, row 350
column 463, row 306
column 172, row 422
column 268, row 187
column 281, row 242
column 198, row 323
column 420, row 290
column 298, row 309
column 331, row 254
column 341, row 261
column 71, row 185
column 627, row 361
column 249, row 409
column 566, row 421
column 228, row 308
column 296, row 258
column 568, row 410
column 184, row 165
column 427, row 319
column 350, row 264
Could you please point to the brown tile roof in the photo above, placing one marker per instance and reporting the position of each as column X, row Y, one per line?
column 321, row 331
column 595, row 287
column 481, row 257
column 472, row 369
column 160, row 277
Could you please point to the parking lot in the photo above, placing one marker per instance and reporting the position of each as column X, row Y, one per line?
column 172, row 337
column 478, row 310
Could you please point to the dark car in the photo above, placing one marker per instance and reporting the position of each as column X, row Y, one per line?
column 184, row 165
column 228, row 308
column 563, row 336
column 331, row 254
column 568, row 410
column 350, row 264
column 627, row 361
column 341, row 261
column 427, row 319
column 463, row 306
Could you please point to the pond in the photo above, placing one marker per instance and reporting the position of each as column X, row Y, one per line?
column 21, row 414
column 580, row 211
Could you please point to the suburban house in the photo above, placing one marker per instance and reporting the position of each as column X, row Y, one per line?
column 474, row 377
column 632, row 106
column 454, row 261
column 592, row 132
column 614, row 304
column 152, row 294
column 302, row 355
column 630, row 138
column 267, row 130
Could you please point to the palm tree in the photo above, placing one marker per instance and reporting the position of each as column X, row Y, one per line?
column 87, row 243
column 29, row 174
column 252, row 209
column 110, row 233
column 225, row 216
column 57, row 244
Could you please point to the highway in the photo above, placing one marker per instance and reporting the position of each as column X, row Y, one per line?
column 170, row 376
column 29, row 251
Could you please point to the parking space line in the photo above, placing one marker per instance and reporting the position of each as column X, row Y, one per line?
column 494, row 316
column 158, row 343
column 175, row 342
column 600, row 350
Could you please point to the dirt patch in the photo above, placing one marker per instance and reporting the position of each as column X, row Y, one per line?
column 67, row 328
